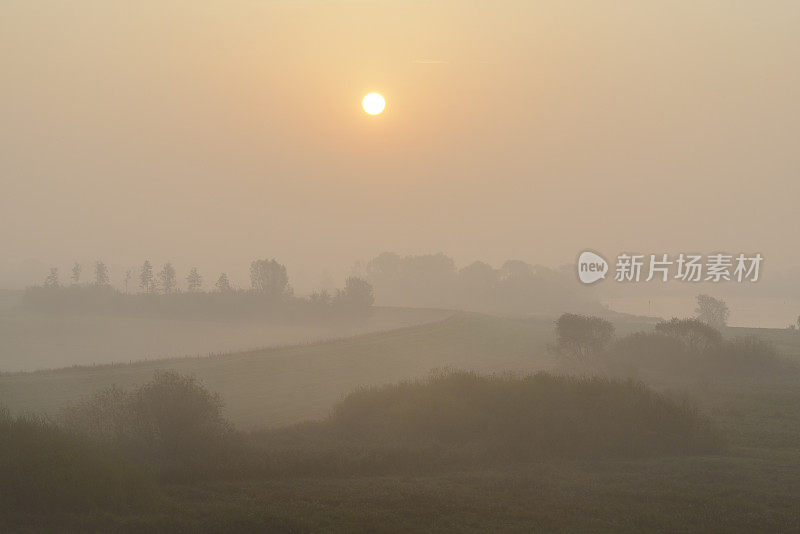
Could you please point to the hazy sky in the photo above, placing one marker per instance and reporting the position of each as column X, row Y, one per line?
column 211, row 133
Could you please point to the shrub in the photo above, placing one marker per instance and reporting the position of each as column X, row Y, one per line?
column 581, row 336
column 691, row 347
column 696, row 335
column 712, row 311
column 653, row 351
column 356, row 297
column 750, row 355
column 46, row 470
column 528, row 416
column 172, row 423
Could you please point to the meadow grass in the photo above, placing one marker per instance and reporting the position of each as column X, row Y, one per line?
column 752, row 486
column 284, row 385
column 331, row 485
column 47, row 472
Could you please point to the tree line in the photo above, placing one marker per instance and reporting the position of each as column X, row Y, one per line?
column 265, row 276
column 430, row 280
column 434, row 280
column 692, row 346
column 269, row 288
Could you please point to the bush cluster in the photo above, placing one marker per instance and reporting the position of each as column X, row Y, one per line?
column 172, row 424
column 691, row 347
column 45, row 470
column 527, row 416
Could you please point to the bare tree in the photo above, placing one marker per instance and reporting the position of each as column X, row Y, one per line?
column 194, row 281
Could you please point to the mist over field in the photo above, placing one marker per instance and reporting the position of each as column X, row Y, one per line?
column 422, row 266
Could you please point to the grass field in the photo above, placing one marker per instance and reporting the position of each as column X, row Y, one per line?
column 712, row 494
column 754, row 486
column 289, row 384
column 284, row 385
column 31, row 340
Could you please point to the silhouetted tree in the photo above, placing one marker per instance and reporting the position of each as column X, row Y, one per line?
column 76, row 273
column 223, row 285
column 100, row 274
column 320, row 298
column 52, row 279
column 178, row 418
column 384, row 268
column 477, row 278
column 425, row 280
column 696, row 335
column 712, row 311
column 146, row 281
column 357, row 295
column 517, row 270
column 582, row 335
column 171, row 421
column 268, row 277
column 432, row 280
column 194, row 281
column 167, row 279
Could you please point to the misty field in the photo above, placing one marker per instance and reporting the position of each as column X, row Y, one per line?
column 397, row 267
column 32, row 340
column 732, row 466
column 285, row 385
column 750, row 487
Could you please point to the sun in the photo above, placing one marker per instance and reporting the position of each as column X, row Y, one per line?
column 373, row 103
